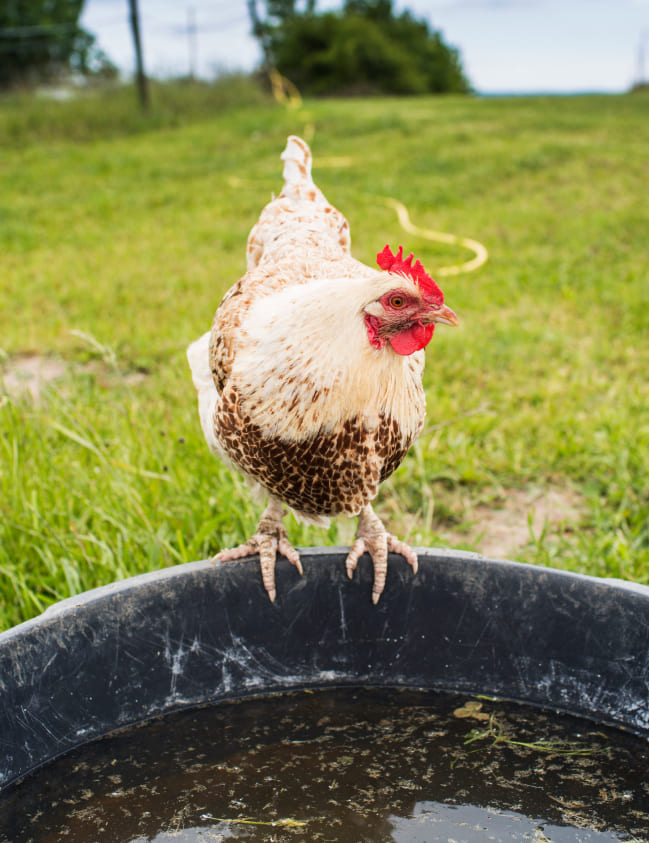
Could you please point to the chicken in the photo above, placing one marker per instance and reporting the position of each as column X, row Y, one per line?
column 309, row 382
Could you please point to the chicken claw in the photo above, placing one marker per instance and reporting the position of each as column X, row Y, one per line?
column 267, row 541
column 373, row 538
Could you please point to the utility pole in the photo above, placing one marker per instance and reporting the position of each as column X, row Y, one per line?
column 641, row 79
column 192, row 39
column 141, row 80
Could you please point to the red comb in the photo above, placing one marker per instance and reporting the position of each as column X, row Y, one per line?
column 395, row 263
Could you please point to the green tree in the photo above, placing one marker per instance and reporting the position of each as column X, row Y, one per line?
column 277, row 13
column 365, row 48
column 40, row 38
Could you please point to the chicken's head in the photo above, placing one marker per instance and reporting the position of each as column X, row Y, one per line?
column 405, row 315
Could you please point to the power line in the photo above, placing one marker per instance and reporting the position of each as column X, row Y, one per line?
column 181, row 29
column 36, row 31
column 23, row 40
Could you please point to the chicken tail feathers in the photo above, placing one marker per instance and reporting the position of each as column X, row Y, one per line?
column 297, row 167
column 301, row 212
column 198, row 356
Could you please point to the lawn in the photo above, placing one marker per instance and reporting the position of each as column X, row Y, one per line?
column 119, row 233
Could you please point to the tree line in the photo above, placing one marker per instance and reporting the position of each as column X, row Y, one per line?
column 40, row 39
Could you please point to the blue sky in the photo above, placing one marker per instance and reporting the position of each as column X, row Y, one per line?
column 517, row 46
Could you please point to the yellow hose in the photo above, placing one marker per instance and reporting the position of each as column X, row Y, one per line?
column 481, row 254
column 284, row 91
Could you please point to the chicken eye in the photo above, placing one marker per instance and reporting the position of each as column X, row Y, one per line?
column 397, row 302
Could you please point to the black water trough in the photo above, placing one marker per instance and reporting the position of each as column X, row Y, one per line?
column 205, row 633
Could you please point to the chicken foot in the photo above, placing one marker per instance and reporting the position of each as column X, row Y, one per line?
column 373, row 538
column 267, row 541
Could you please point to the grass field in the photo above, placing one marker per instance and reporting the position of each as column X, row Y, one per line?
column 119, row 234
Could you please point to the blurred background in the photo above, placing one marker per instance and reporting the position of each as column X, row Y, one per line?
column 505, row 46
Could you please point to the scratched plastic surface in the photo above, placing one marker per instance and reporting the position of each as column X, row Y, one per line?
column 347, row 766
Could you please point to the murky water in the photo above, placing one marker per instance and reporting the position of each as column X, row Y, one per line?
column 347, row 766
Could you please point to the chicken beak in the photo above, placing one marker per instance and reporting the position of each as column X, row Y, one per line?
column 443, row 315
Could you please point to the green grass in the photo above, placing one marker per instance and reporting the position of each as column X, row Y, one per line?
column 119, row 233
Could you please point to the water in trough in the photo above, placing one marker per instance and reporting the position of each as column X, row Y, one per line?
column 344, row 765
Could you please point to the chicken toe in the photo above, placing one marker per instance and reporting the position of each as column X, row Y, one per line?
column 373, row 538
column 267, row 541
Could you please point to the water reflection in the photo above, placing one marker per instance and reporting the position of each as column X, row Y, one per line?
column 433, row 821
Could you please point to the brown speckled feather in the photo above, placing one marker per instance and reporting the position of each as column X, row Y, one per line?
column 325, row 474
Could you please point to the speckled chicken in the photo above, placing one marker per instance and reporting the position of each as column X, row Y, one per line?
column 309, row 381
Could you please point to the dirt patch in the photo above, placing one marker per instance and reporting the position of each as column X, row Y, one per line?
column 505, row 527
column 30, row 374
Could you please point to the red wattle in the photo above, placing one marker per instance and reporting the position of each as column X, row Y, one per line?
column 414, row 339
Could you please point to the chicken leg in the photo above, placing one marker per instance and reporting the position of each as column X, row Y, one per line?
column 267, row 541
column 371, row 536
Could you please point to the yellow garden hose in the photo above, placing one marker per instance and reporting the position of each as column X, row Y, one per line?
column 284, row 91
column 481, row 254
